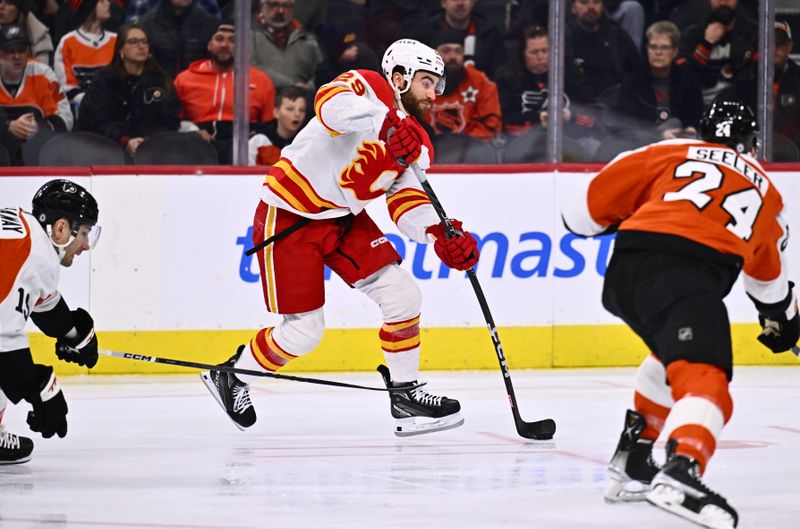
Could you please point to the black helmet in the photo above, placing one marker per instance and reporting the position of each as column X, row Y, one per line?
column 64, row 199
column 730, row 123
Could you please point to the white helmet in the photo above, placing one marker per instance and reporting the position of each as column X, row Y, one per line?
column 413, row 56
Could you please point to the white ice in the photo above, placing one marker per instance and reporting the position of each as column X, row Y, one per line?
column 158, row 453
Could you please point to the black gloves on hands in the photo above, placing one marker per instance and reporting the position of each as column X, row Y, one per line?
column 779, row 336
column 49, row 415
column 82, row 349
column 780, row 323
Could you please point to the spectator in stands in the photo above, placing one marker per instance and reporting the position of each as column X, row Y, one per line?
column 664, row 96
column 390, row 20
column 630, row 15
column 481, row 39
column 17, row 12
column 68, row 19
column 132, row 98
column 138, row 8
column 469, row 105
column 32, row 101
column 290, row 115
column 179, row 31
column 84, row 50
column 522, row 85
column 686, row 13
column 342, row 51
column 786, row 87
column 598, row 47
column 720, row 48
column 282, row 48
column 205, row 91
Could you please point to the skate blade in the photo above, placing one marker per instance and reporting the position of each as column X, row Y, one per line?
column 16, row 461
column 423, row 425
column 205, row 376
column 672, row 500
column 626, row 491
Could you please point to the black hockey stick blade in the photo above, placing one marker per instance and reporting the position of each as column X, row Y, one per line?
column 234, row 370
column 538, row 430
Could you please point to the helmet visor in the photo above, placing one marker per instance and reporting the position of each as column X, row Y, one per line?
column 88, row 234
column 440, row 85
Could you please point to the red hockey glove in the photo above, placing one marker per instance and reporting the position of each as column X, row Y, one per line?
column 460, row 252
column 402, row 138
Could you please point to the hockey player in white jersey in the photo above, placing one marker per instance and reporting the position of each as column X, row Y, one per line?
column 355, row 150
column 33, row 247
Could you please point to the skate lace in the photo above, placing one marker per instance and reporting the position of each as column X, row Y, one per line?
column 241, row 398
column 426, row 399
column 8, row 440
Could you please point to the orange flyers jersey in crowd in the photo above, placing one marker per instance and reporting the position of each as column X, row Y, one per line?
column 337, row 165
column 79, row 55
column 704, row 192
column 206, row 94
column 28, row 277
column 472, row 109
column 40, row 89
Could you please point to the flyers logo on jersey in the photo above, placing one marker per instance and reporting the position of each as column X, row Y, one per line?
column 370, row 174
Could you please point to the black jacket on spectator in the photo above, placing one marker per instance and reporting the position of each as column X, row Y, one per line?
column 717, row 73
column 638, row 99
column 523, row 94
column 330, row 68
column 490, row 51
column 604, row 57
column 177, row 41
column 127, row 107
column 786, row 109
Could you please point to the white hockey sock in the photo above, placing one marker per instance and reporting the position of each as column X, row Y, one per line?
column 403, row 366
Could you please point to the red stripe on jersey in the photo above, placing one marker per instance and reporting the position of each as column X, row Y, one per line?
column 15, row 252
column 380, row 85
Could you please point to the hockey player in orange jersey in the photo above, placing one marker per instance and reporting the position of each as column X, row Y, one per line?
column 32, row 249
column 357, row 149
column 691, row 215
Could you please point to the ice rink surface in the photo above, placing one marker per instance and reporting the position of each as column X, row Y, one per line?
column 158, row 453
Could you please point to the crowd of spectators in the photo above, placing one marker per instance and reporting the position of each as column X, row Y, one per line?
column 640, row 70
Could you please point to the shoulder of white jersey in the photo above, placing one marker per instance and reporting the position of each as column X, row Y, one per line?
column 34, row 67
column 379, row 85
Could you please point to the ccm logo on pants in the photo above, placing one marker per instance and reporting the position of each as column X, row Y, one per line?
column 377, row 242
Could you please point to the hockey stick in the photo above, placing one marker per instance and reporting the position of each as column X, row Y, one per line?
column 544, row 429
column 278, row 236
column 235, row 370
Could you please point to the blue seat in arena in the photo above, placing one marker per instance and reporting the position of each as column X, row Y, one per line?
column 176, row 148
column 78, row 148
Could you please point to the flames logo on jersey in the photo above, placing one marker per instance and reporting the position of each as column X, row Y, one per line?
column 370, row 174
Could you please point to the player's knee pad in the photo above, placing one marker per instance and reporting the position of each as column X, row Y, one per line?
column 395, row 292
column 299, row 334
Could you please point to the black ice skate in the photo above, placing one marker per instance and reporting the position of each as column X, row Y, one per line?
column 678, row 489
column 14, row 448
column 418, row 412
column 632, row 467
column 231, row 393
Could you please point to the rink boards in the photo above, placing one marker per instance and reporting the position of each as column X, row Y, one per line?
column 170, row 278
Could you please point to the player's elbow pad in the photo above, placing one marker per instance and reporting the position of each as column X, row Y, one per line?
column 56, row 322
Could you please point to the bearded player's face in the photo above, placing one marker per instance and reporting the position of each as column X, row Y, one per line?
column 418, row 99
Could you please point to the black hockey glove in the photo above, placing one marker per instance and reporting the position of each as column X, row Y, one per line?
column 780, row 322
column 83, row 348
column 779, row 336
column 49, row 415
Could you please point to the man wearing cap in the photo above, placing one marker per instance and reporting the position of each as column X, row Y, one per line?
column 469, row 105
column 19, row 12
column 28, row 84
column 786, row 87
column 205, row 90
